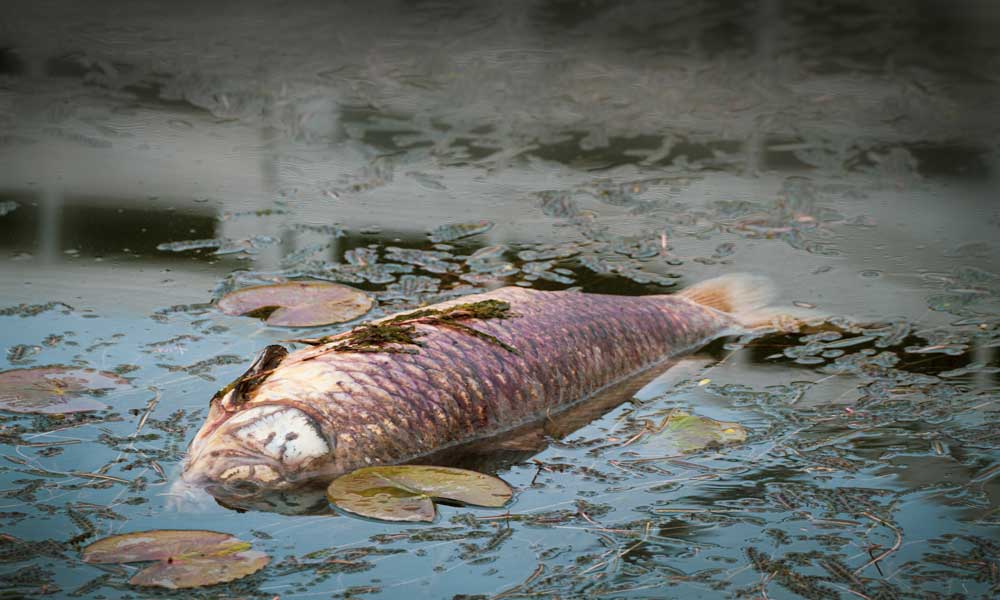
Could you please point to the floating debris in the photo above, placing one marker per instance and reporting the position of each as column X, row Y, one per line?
column 203, row 367
column 457, row 231
column 302, row 254
column 31, row 310
column 433, row 261
column 380, row 273
column 487, row 254
column 222, row 245
column 22, row 353
column 430, row 182
column 724, row 250
column 483, row 274
column 542, row 270
column 410, row 287
column 549, row 252
column 334, row 231
column 629, row 270
column 361, row 257
column 559, row 204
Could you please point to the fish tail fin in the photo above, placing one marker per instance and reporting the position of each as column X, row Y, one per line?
column 748, row 299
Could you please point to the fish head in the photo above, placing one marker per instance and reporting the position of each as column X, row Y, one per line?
column 258, row 447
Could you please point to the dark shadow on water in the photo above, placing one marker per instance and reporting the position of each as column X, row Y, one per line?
column 99, row 226
column 10, row 62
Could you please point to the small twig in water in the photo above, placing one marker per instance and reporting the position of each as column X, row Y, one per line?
column 895, row 546
column 159, row 469
column 150, row 406
column 100, row 476
column 47, row 444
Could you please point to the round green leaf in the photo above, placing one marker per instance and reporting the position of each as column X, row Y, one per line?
column 405, row 492
column 683, row 432
column 185, row 558
column 55, row 390
column 298, row 303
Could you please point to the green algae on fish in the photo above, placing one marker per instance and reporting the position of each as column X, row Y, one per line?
column 394, row 334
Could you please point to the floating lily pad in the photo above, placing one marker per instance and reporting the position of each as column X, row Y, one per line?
column 406, row 493
column 185, row 558
column 298, row 303
column 683, row 432
column 55, row 390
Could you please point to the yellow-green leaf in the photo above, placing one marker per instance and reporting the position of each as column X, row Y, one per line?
column 683, row 432
column 406, row 492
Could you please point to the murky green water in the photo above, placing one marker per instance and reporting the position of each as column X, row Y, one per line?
column 850, row 153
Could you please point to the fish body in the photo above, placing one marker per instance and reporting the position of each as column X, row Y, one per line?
column 321, row 411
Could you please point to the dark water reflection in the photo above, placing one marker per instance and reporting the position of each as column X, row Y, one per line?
column 154, row 156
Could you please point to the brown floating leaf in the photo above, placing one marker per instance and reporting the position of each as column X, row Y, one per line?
column 54, row 389
column 405, row 493
column 186, row 558
column 298, row 303
column 682, row 432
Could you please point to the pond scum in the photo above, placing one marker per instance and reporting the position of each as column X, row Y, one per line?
column 398, row 333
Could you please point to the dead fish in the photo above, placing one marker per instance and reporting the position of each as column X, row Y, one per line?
column 422, row 381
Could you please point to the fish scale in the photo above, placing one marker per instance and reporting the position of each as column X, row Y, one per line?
column 388, row 407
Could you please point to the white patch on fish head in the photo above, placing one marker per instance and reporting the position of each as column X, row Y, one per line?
column 265, row 446
column 283, row 433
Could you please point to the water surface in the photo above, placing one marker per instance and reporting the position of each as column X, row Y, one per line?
column 153, row 159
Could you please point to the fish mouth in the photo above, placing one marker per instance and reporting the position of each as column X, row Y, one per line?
column 268, row 446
